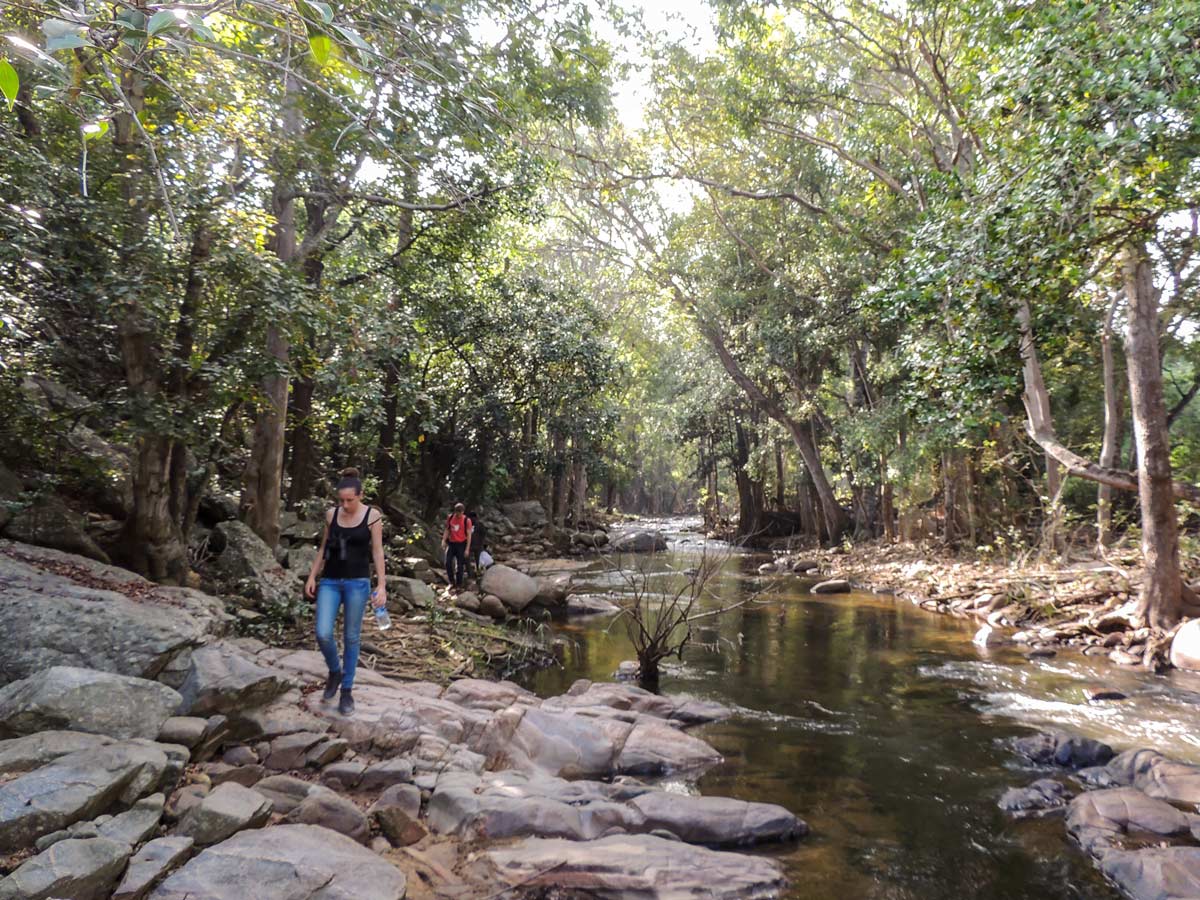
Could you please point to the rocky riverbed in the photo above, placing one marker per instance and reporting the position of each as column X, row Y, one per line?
column 144, row 752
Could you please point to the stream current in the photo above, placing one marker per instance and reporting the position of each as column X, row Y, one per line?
column 883, row 727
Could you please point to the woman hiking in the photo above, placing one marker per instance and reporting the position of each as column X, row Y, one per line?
column 456, row 541
column 353, row 538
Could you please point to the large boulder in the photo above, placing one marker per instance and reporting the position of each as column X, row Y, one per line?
column 65, row 697
column 250, row 567
column 82, row 869
column 552, row 591
column 80, row 785
column 413, row 591
column 1154, row 774
column 1097, row 819
column 640, row 542
column 285, row 862
column 331, row 810
column 61, row 609
column 1155, row 873
column 1185, row 646
column 24, row 754
column 224, row 812
column 48, row 522
column 525, row 514
column 516, row 590
column 629, row 866
column 224, row 679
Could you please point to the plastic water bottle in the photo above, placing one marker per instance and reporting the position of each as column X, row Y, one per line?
column 382, row 620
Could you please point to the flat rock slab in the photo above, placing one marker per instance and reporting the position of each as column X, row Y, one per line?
column 224, row 812
column 1155, row 873
column 223, row 679
column 75, row 699
column 150, row 865
column 137, row 823
column 331, row 810
column 24, row 754
column 285, row 862
column 676, row 707
column 51, row 619
column 643, row 867
column 1157, row 775
column 77, row 786
column 83, row 869
column 512, row 804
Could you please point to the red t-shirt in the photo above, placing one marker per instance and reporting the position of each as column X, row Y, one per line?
column 459, row 528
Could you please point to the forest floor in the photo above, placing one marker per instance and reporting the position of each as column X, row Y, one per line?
column 1076, row 599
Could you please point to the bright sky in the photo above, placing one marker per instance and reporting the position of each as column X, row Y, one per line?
column 689, row 21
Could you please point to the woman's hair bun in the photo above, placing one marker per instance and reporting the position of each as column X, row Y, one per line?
column 350, row 472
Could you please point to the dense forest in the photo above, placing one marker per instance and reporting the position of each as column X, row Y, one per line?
column 861, row 271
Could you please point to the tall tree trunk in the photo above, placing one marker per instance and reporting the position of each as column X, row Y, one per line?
column 750, row 493
column 579, row 489
column 263, row 483
column 1161, row 600
column 1110, row 448
column 780, row 477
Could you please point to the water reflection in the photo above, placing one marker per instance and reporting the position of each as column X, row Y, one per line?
column 885, row 728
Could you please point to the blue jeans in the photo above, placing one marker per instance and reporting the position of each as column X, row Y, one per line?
column 353, row 593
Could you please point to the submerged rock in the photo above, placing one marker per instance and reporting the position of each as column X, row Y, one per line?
column 1060, row 749
column 640, row 542
column 833, row 586
column 1043, row 797
column 642, row 866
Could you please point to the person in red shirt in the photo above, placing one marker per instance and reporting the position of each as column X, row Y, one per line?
column 456, row 541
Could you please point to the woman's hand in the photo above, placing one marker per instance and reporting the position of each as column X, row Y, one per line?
column 379, row 598
column 310, row 588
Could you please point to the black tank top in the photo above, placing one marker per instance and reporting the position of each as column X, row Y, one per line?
column 348, row 550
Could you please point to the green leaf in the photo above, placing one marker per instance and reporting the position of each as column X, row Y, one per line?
column 163, row 19
column 10, row 83
column 199, row 29
column 321, row 47
column 63, row 35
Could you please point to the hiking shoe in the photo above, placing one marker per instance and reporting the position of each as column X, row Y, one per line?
column 331, row 685
column 346, row 704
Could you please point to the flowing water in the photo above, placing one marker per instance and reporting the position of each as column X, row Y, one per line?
column 885, row 729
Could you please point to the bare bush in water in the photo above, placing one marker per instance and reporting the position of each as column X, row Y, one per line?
column 659, row 623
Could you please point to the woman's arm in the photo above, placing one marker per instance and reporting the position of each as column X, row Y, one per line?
column 310, row 586
column 377, row 554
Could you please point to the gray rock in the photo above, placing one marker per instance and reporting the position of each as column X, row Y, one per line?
column 223, row 679
column 151, row 864
column 81, row 869
column 50, row 619
column 397, row 810
column 1156, row 775
column 412, row 591
column 515, row 590
column 330, row 810
column 467, row 600
column 300, row 559
column 833, row 586
column 590, row 605
column 48, row 522
column 1060, row 749
column 1097, row 819
column 277, row 718
column 1185, row 646
column 228, row 809
column 552, row 591
column 137, row 823
column 186, row 730
column 1043, row 796
column 633, row 866
column 525, row 514
column 290, row 751
column 717, row 821
column 24, row 754
column 343, row 775
column 285, row 862
column 246, row 776
column 284, row 791
column 1155, row 873
column 491, row 605
column 64, row 697
column 240, row 755
column 640, row 542
column 325, row 752
column 248, row 565
column 77, row 786
column 382, row 775
column 184, row 799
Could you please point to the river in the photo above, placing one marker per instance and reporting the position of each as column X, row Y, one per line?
column 884, row 728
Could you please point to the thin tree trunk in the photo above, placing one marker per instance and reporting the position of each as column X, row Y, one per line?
column 1110, row 448
column 1161, row 600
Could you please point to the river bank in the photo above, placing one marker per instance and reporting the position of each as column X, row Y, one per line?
column 1080, row 603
